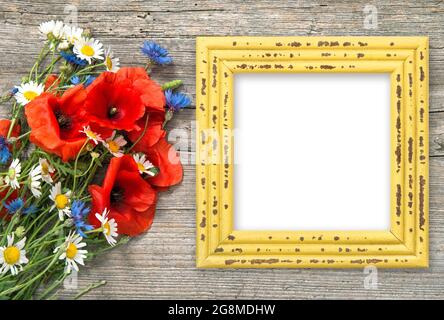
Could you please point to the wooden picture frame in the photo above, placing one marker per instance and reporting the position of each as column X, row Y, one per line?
column 405, row 245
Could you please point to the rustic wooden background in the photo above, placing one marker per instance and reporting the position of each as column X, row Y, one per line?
column 161, row 263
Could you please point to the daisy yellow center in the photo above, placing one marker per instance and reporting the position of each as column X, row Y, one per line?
column 140, row 166
column 11, row 173
column 45, row 168
column 109, row 63
column 91, row 134
column 71, row 251
column 87, row 50
column 113, row 146
column 106, row 228
column 30, row 95
column 11, row 255
column 61, row 201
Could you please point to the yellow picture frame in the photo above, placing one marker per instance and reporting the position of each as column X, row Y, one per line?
column 405, row 245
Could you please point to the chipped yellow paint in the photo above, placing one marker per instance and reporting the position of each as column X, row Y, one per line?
column 405, row 245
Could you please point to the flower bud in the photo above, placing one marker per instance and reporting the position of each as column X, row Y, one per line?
column 63, row 45
column 90, row 147
column 95, row 155
column 66, row 68
column 87, row 33
column 68, row 223
column 20, row 231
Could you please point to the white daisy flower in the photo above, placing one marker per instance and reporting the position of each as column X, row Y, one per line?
column 34, row 178
column 92, row 135
column 73, row 254
column 46, row 169
column 52, row 29
column 112, row 64
column 13, row 256
column 27, row 92
column 64, row 45
column 88, row 49
column 13, row 174
column 143, row 164
column 109, row 227
column 114, row 144
column 61, row 201
column 72, row 34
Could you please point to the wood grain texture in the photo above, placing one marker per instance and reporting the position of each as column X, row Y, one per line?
column 161, row 263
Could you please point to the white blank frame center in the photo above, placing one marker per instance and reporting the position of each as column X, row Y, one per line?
column 312, row 151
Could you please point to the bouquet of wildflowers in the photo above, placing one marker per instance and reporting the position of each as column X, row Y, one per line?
column 82, row 158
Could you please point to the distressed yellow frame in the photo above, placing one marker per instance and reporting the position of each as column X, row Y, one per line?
column 405, row 245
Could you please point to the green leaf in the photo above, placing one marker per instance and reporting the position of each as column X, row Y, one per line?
column 155, row 171
column 4, row 285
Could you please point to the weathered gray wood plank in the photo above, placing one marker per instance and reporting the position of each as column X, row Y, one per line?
column 160, row 264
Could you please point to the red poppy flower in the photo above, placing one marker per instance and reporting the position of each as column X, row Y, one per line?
column 4, row 128
column 51, row 81
column 56, row 122
column 130, row 199
column 114, row 103
column 150, row 92
column 153, row 132
column 165, row 157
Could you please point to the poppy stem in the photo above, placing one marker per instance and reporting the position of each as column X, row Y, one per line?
column 143, row 133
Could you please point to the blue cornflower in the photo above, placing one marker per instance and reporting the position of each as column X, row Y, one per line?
column 30, row 210
column 14, row 205
column 176, row 100
column 14, row 90
column 75, row 80
column 79, row 212
column 156, row 53
column 89, row 80
column 5, row 154
column 72, row 58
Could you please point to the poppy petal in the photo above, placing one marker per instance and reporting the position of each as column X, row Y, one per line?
column 46, row 131
column 138, row 194
column 131, row 222
column 165, row 157
column 153, row 133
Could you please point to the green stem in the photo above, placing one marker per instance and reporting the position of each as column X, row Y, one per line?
column 87, row 170
column 94, row 231
column 75, row 165
column 85, row 70
column 143, row 133
column 49, row 68
column 53, row 286
column 43, row 53
column 11, row 126
column 41, row 227
column 89, row 288
column 24, row 285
